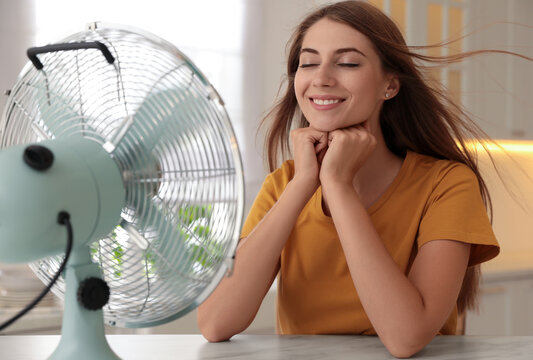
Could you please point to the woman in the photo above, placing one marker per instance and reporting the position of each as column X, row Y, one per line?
column 378, row 224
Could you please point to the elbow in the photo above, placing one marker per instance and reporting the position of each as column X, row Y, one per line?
column 213, row 333
column 402, row 353
column 213, row 330
column 404, row 346
column 214, row 336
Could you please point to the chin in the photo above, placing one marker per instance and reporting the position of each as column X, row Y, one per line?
column 324, row 127
column 329, row 128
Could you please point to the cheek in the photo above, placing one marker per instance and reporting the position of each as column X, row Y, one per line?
column 299, row 88
column 367, row 90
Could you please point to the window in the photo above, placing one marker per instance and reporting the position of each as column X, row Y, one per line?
column 208, row 31
column 426, row 22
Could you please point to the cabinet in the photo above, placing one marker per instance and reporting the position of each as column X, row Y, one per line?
column 506, row 305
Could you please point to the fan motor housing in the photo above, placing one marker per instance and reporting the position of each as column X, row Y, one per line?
column 83, row 181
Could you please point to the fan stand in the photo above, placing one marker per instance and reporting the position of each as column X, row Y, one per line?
column 82, row 332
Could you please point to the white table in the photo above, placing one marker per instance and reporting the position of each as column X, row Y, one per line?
column 272, row 347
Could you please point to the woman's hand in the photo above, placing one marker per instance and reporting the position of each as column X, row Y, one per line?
column 348, row 150
column 309, row 147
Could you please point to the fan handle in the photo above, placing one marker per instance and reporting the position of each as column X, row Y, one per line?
column 32, row 52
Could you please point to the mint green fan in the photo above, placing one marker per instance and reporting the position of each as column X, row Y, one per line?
column 117, row 129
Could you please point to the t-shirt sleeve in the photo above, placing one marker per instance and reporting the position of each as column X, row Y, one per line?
column 271, row 190
column 455, row 211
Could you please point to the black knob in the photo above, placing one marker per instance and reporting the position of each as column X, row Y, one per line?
column 93, row 293
column 38, row 157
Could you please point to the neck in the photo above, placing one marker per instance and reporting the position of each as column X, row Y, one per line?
column 381, row 166
column 376, row 175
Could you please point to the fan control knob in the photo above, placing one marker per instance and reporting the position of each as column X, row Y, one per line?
column 93, row 293
column 38, row 157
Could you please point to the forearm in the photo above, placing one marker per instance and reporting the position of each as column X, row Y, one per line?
column 233, row 305
column 393, row 304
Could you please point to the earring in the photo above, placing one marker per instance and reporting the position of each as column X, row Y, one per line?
column 386, row 95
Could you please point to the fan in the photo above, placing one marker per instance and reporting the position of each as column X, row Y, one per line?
column 115, row 134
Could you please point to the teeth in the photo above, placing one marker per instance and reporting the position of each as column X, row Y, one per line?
column 325, row 102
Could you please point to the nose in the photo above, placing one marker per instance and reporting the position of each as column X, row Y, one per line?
column 324, row 76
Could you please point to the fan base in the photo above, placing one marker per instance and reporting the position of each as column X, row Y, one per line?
column 69, row 351
column 82, row 333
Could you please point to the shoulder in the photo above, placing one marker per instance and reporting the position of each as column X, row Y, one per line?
column 439, row 172
column 431, row 180
column 284, row 173
column 279, row 178
column 446, row 185
column 286, row 170
column 272, row 188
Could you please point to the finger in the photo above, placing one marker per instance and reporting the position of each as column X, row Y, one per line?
column 333, row 134
column 321, row 143
column 318, row 134
column 320, row 146
column 321, row 155
column 306, row 137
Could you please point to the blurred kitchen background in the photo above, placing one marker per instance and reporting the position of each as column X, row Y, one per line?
column 240, row 46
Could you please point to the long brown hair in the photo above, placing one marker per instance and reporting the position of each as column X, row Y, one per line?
column 420, row 118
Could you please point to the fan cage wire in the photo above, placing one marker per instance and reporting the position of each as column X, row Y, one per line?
column 184, row 186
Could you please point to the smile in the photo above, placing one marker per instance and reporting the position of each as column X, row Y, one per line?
column 326, row 102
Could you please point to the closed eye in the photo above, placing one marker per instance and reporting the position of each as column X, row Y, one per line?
column 349, row 65
column 307, row 65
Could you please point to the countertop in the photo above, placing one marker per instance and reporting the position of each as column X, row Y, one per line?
column 272, row 347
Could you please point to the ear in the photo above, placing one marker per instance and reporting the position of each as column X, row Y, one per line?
column 392, row 87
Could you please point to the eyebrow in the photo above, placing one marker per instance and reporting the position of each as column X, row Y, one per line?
column 338, row 51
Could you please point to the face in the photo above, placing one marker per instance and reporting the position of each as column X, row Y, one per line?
column 339, row 81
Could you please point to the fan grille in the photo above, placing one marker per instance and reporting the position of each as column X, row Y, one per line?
column 168, row 132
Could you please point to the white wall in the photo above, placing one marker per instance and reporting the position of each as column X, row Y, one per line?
column 17, row 28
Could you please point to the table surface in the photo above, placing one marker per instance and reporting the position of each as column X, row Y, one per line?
column 272, row 347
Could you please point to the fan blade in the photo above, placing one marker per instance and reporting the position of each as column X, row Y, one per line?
column 171, row 110
column 170, row 241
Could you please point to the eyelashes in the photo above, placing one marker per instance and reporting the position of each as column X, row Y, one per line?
column 347, row 65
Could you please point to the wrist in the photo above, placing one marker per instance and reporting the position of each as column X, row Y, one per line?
column 335, row 182
column 306, row 186
column 335, row 188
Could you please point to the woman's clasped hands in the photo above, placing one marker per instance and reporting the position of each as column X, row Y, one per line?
column 333, row 157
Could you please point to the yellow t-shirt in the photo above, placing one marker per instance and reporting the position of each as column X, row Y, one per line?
column 429, row 199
